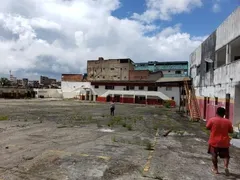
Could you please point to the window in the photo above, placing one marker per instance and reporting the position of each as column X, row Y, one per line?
column 141, row 87
column 168, row 88
column 96, row 86
column 198, row 70
column 216, row 101
column 112, row 69
column 178, row 72
column 169, row 71
column 152, row 88
column 131, row 87
column 98, row 77
column 125, row 77
column 109, row 87
column 142, row 98
column 172, row 98
column 103, row 77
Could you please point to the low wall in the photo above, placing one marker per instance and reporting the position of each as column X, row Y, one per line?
column 49, row 93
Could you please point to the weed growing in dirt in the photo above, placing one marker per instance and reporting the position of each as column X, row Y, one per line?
column 129, row 127
column 114, row 139
column 204, row 129
column 117, row 119
column 149, row 146
column 124, row 124
column 110, row 123
column 3, row 118
column 155, row 126
column 90, row 118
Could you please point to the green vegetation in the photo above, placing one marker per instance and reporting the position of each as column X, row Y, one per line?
column 114, row 139
column 149, row 146
column 124, row 124
column 167, row 104
column 3, row 118
column 235, row 135
column 129, row 127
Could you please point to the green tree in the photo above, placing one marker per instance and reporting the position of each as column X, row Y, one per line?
column 4, row 82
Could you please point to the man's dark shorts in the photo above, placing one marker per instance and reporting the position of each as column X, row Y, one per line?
column 221, row 152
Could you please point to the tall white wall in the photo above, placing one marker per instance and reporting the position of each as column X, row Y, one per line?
column 173, row 93
column 73, row 89
column 228, row 30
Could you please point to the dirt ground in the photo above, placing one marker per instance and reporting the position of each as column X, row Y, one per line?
column 71, row 140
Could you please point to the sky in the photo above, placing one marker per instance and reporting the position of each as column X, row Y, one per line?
column 53, row 37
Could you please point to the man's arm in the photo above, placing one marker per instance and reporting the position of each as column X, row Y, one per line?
column 209, row 124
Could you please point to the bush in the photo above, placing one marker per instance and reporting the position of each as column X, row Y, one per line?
column 167, row 104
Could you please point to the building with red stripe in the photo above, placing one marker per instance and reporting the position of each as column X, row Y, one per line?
column 215, row 70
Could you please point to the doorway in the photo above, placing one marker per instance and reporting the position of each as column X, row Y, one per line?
column 205, row 108
column 108, row 98
column 227, row 106
column 117, row 98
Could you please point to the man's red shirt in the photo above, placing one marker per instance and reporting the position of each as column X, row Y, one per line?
column 220, row 127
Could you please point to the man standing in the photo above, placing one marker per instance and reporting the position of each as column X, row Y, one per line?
column 112, row 108
column 219, row 141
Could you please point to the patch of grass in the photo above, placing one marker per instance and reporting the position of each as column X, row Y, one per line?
column 114, row 139
column 129, row 127
column 149, row 146
column 110, row 123
column 155, row 126
column 90, row 118
column 124, row 124
column 204, row 129
column 117, row 119
column 3, row 118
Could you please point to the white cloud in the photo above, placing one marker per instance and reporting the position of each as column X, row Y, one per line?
column 55, row 36
column 164, row 9
column 216, row 6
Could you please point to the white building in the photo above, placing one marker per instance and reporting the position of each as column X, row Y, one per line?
column 215, row 69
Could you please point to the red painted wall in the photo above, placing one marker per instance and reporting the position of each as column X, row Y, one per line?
column 132, row 100
column 101, row 99
column 211, row 108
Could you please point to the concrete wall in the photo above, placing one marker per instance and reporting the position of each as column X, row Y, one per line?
column 74, row 89
column 237, row 105
column 49, row 93
column 112, row 69
column 138, row 74
column 228, row 30
column 171, row 93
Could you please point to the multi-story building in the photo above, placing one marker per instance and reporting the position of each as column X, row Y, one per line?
column 169, row 69
column 110, row 69
column 215, row 70
column 33, row 84
column 46, row 81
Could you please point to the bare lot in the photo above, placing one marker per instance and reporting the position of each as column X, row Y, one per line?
column 58, row 140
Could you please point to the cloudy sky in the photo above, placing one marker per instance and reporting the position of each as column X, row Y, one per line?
column 51, row 37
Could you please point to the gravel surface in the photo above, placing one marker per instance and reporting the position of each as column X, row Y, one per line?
column 73, row 140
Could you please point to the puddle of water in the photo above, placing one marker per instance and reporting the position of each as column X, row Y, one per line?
column 106, row 130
